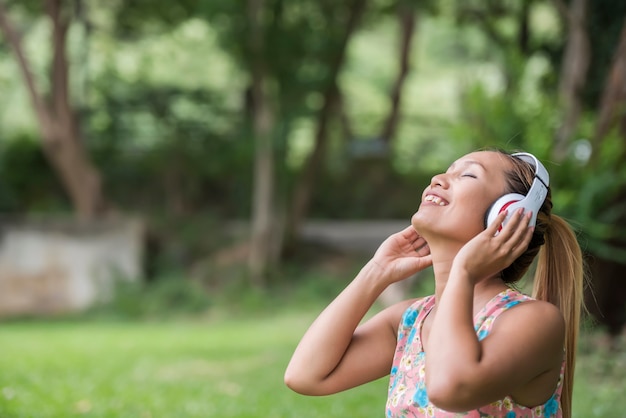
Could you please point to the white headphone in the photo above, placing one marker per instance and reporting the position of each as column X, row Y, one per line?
column 532, row 201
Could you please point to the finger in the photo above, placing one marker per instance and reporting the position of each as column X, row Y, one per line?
column 495, row 225
column 419, row 242
column 527, row 233
column 426, row 261
column 509, row 230
column 514, row 221
column 424, row 250
column 522, row 246
column 409, row 233
column 522, row 235
column 414, row 238
column 521, row 229
column 421, row 263
column 523, row 224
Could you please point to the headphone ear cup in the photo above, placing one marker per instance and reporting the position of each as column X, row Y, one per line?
column 499, row 205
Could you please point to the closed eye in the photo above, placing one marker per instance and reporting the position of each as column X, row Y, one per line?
column 469, row 175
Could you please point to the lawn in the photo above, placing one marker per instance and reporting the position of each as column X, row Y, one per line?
column 205, row 368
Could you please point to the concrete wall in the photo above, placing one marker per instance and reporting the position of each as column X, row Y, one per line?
column 53, row 267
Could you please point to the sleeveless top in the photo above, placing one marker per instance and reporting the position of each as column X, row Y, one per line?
column 407, row 386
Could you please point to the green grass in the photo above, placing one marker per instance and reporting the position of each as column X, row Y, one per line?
column 204, row 368
column 148, row 370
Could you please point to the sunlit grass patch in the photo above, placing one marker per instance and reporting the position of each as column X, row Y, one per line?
column 192, row 369
column 220, row 368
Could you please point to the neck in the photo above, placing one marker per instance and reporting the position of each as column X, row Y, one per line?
column 485, row 288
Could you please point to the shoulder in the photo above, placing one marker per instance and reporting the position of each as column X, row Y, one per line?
column 533, row 322
column 409, row 305
column 542, row 314
column 514, row 304
column 403, row 313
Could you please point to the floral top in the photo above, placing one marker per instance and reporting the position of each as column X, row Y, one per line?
column 407, row 386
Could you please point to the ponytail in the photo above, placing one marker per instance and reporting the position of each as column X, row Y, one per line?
column 559, row 280
column 559, row 273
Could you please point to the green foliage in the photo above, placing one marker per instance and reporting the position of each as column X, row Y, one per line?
column 604, row 29
column 508, row 121
column 33, row 7
column 165, row 297
column 159, row 149
column 135, row 18
column 170, row 148
column 513, row 32
column 596, row 192
column 182, row 147
column 589, row 194
column 27, row 182
column 489, row 119
column 357, row 191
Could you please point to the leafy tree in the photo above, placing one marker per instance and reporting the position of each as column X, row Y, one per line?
column 57, row 117
column 299, row 50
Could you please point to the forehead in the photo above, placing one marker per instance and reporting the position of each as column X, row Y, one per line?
column 490, row 161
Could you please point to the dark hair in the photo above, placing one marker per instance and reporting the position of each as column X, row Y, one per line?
column 559, row 273
column 518, row 180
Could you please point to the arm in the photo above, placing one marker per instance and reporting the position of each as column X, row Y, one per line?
column 336, row 353
column 464, row 373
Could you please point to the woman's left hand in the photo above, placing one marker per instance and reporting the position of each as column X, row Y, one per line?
column 491, row 251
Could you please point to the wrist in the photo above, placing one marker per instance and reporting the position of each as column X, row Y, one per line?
column 372, row 275
column 462, row 275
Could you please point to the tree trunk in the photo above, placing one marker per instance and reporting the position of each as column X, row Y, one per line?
column 523, row 31
column 573, row 74
column 607, row 296
column 303, row 189
column 261, row 248
column 407, row 19
column 61, row 139
column 613, row 101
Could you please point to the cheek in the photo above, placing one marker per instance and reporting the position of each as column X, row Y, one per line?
column 474, row 215
column 481, row 207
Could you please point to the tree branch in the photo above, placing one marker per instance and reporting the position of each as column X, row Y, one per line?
column 59, row 77
column 332, row 96
column 614, row 92
column 574, row 67
column 562, row 8
column 407, row 19
column 9, row 32
column 486, row 21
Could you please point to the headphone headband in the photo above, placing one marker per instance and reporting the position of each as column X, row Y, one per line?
column 540, row 171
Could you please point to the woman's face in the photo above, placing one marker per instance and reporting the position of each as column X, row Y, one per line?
column 455, row 202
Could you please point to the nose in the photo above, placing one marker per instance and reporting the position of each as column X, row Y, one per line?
column 439, row 180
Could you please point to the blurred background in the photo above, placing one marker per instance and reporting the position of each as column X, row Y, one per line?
column 184, row 185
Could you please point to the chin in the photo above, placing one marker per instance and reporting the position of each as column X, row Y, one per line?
column 420, row 223
column 456, row 231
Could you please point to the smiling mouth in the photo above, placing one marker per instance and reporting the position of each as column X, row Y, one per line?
column 435, row 199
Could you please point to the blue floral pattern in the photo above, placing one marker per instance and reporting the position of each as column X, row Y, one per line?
column 408, row 397
column 551, row 408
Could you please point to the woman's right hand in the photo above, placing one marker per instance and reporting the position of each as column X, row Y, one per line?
column 402, row 255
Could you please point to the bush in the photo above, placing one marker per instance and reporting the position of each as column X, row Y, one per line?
column 164, row 297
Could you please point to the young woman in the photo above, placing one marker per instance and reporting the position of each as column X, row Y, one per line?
column 477, row 347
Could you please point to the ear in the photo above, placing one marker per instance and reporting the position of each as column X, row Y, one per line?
column 501, row 204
